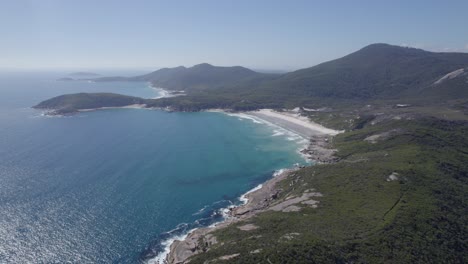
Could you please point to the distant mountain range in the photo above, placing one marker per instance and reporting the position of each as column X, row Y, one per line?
column 376, row 72
column 84, row 74
column 197, row 78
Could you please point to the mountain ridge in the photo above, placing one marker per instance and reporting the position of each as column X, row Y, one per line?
column 377, row 72
column 201, row 76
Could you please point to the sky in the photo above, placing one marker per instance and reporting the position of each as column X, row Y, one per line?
column 276, row 35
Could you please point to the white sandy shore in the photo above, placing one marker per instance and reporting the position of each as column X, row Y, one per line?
column 133, row 106
column 293, row 122
column 255, row 200
column 163, row 93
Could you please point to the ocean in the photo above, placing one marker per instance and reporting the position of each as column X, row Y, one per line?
column 115, row 186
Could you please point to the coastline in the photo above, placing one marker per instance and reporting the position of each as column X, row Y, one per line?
column 133, row 106
column 164, row 93
column 316, row 147
column 260, row 198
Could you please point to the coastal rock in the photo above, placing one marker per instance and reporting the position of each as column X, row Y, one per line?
column 290, row 205
column 393, row 177
column 197, row 241
column 248, row 227
column 228, row 257
column 319, row 149
column 261, row 200
column 382, row 136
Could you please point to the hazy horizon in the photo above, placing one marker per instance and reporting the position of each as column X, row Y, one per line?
column 147, row 35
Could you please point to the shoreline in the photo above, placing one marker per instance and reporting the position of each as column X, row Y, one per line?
column 260, row 198
column 164, row 93
column 179, row 248
column 133, row 106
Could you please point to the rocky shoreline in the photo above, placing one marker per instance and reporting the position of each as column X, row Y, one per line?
column 263, row 199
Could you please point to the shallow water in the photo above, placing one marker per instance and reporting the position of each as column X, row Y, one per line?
column 107, row 186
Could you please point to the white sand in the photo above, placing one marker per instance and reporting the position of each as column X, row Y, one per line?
column 133, row 106
column 293, row 121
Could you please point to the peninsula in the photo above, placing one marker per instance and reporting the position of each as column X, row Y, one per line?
column 392, row 186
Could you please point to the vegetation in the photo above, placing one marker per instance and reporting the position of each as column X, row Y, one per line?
column 378, row 71
column 197, row 78
column 84, row 74
column 377, row 74
column 363, row 217
column 70, row 103
column 397, row 97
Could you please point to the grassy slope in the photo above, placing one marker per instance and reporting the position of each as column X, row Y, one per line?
column 363, row 218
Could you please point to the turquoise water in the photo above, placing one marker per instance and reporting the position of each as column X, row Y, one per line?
column 112, row 186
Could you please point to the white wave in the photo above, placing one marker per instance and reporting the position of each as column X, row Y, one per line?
column 277, row 133
column 161, row 257
column 177, row 227
column 244, row 116
column 225, row 213
column 161, row 93
column 279, row 172
column 243, row 197
column 220, row 201
column 277, row 130
column 201, row 210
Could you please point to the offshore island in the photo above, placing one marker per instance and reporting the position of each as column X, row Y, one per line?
column 388, row 130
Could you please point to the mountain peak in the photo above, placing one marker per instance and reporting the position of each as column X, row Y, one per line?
column 388, row 48
column 203, row 65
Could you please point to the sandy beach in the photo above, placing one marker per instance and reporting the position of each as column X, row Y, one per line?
column 133, row 106
column 293, row 122
column 264, row 197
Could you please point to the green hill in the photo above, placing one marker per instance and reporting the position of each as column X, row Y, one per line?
column 375, row 73
column 197, row 78
column 364, row 215
column 378, row 71
column 70, row 103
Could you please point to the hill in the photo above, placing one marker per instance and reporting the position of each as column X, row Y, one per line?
column 378, row 71
column 399, row 199
column 197, row 78
column 70, row 103
column 84, row 74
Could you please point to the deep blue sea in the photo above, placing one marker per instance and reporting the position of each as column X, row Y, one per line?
column 113, row 186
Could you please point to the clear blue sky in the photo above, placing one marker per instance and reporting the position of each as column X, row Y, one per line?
column 259, row 34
